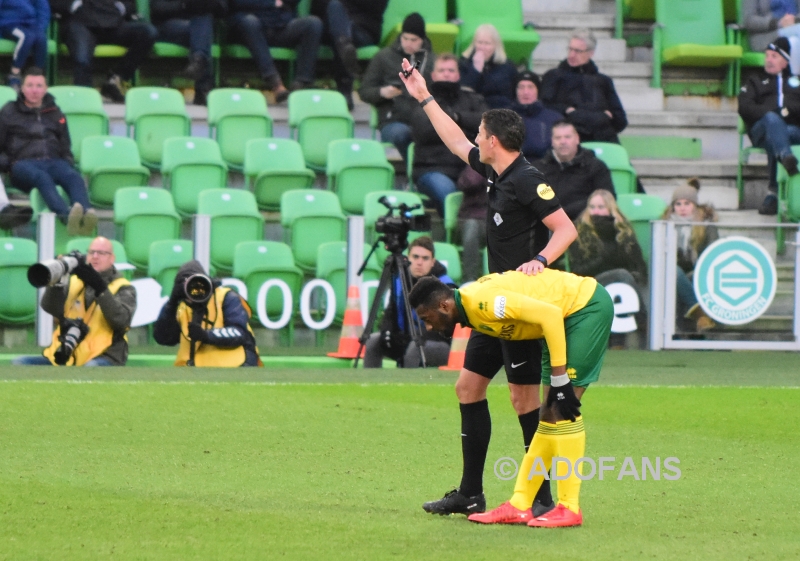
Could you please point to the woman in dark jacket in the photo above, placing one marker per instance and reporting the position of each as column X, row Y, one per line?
column 485, row 69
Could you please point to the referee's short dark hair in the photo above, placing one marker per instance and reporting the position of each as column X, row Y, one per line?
column 507, row 126
column 428, row 292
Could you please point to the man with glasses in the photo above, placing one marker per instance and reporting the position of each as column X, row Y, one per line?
column 94, row 305
column 586, row 98
column 393, row 339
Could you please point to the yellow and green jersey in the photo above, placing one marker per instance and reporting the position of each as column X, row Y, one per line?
column 513, row 305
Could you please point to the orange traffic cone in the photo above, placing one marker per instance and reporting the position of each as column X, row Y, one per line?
column 352, row 327
column 457, row 349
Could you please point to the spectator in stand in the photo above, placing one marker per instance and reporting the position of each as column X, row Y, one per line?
column 538, row 119
column 573, row 172
column 25, row 22
column 766, row 20
column 692, row 241
column 349, row 24
column 112, row 22
column 261, row 24
column 769, row 105
column 607, row 250
column 381, row 85
column 472, row 222
column 191, row 25
column 586, row 98
column 34, row 126
column 436, row 168
column 485, row 68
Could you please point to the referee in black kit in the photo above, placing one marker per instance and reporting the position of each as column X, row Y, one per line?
column 523, row 211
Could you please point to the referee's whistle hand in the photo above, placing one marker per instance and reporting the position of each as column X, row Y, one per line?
column 531, row 267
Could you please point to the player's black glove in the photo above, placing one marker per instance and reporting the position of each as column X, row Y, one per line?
column 197, row 333
column 90, row 277
column 564, row 397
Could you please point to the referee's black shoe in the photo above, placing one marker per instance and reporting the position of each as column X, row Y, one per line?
column 454, row 502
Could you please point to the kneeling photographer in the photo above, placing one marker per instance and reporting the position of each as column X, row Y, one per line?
column 393, row 339
column 93, row 304
column 209, row 322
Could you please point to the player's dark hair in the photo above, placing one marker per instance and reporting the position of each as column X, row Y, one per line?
column 425, row 242
column 428, row 292
column 33, row 71
column 507, row 126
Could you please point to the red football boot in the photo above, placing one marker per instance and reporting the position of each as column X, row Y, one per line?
column 506, row 513
column 559, row 517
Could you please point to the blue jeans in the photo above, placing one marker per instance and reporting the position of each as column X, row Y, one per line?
column 685, row 293
column 196, row 34
column 303, row 34
column 44, row 361
column 138, row 37
column 27, row 175
column 29, row 39
column 338, row 25
column 398, row 134
column 772, row 133
column 437, row 186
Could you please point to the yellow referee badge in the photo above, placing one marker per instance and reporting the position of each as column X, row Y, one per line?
column 545, row 191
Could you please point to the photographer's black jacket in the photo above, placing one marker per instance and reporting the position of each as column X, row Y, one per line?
column 117, row 309
column 34, row 133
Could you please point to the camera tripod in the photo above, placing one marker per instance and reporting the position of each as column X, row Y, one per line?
column 393, row 265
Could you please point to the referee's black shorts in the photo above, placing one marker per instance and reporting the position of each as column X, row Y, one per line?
column 485, row 355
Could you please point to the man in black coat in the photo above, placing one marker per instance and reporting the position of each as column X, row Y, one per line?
column 436, row 168
column 572, row 171
column 769, row 105
column 89, row 22
column 585, row 97
column 191, row 25
column 35, row 147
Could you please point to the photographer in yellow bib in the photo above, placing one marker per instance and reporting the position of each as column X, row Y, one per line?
column 573, row 316
column 210, row 323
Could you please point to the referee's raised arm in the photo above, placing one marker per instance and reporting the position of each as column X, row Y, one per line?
column 450, row 133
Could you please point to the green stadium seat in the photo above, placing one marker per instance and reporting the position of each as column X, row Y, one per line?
column 640, row 209
column 255, row 263
column 788, row 200
column 316, row 117
column 311, row 217
column 166, row 257
column 441, row 33
column 18, row 304
column 615, row 157
column 7, row 94
column 153, row 115
column 234, row 219
column 355, row 168
column 447, row 254
column 85, row 114
column 332, row 267
column 120, row 256
column 452, row 204
column 374, row 209
column 39, row 206
column 145, row 215
column 692, row 33
column 273, row 166
column 111, row 162
column 190, row 166
column 235, row 116
column 506, row 15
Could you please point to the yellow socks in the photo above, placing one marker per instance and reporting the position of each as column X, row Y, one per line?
column 564, row 439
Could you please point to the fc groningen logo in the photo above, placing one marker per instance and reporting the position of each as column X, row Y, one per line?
column 735, row 280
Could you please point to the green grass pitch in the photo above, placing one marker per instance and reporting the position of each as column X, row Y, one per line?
column 178, row 464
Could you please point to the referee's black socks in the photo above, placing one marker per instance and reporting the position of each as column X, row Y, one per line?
column 476, row 431
column 529, row 423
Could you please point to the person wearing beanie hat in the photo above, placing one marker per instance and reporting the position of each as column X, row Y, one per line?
column 485, row 68
column 381, row 86
column 769, row 105
column 349, row 25
column 538, row 119
column 693, row 239
column 767, row 20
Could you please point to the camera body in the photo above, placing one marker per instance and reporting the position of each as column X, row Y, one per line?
column 73, row 331
column 52, row 271
column 395, row 229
